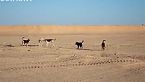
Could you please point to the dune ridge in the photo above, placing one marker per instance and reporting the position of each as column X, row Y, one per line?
column 54, row 29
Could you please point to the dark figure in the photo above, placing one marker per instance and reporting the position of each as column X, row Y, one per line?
column 79, row 44
column 25, row 41
column 103, row 45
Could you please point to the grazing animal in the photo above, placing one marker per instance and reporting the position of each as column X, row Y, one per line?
column 103, row 45
column 25, row 41
column 79, row 44
column 48, row 41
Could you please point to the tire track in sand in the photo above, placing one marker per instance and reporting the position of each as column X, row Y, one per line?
column 41, row 65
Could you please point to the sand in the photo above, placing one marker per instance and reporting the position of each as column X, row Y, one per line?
column 122, row 61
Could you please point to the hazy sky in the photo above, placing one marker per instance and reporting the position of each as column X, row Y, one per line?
column 73, row 12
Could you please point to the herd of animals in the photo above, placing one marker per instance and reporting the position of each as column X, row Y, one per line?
column 79, row 45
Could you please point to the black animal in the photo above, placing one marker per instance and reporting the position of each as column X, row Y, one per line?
column 79, row 44
column 103, row 45
column 25, row 41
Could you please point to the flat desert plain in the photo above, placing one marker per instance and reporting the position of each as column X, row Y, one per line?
column 123, row 60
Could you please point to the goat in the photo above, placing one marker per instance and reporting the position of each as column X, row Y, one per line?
column 25, row 41
column 79, row 44
column 103, row 45
column 48, row 41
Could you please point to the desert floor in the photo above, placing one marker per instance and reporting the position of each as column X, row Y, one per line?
column 122, row 61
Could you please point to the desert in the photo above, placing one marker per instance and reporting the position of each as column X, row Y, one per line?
column 123, row 60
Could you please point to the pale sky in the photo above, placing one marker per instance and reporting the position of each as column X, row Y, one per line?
column 73, row 12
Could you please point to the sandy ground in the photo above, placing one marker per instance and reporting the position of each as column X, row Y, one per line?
column 122, row 61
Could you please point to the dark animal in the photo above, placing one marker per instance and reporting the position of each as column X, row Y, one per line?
column 25, row 41
column 103, row 45
column 79, row 44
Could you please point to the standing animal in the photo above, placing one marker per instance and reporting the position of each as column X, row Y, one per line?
column 48, row 41
column 25, row 41
column 103, row 45
column 79, row 44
